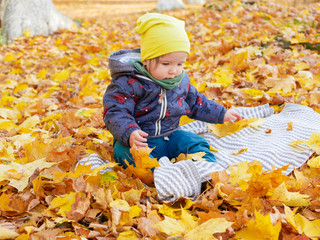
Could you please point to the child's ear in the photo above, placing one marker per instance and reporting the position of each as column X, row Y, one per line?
column 145, row 63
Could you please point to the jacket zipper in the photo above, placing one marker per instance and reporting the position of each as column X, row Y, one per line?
column 163, row 110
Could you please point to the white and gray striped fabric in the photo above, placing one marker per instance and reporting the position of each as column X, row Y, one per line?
column 271, row 149
column 183, row 179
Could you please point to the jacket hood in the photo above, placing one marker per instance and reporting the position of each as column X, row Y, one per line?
column 119, row 62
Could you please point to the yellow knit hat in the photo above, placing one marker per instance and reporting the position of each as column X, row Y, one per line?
column 161, row 34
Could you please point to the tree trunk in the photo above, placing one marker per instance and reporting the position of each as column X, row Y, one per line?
column 2, row 7
column 40, row 17
column 165, row 5
column 196, row 1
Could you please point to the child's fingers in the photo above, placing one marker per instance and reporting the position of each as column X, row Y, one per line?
column 238, row 116
column 143, row 134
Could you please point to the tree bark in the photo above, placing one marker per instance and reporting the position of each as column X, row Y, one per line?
column 40, row 17
column 2, row 7
column 166, row 5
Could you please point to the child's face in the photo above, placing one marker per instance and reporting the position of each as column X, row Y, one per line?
column 169, row 65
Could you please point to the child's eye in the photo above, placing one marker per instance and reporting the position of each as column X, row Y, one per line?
column 166, row 64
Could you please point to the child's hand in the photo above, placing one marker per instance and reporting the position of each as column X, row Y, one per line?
column 137, row 137
column 231, row 116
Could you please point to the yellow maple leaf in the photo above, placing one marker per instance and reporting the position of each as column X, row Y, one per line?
column 42, row 74
column 37, row 149
column 307, row 80
column 20, row 87
column 85, row 112
column 10, row 57
column 254, row 93
column 128, row 216
column 86, row 131
column 313, row 143
column 5, row 200
column 51, row 117
column 227, row 128
column 185, row 120
column 188, row 220
column 144, row 163
column 179, row 225
column 238, row 60
column 302, row 224
column 29, row 123
column 171, row 226
column 120, row 204
column 301, row 66
column 169, row 211
column 81, row 170
column 37, row 186
column 293, row 199
column 118, row 207
column 22, row 139
column 205, row 230
column 223, row 77
column 60, row 76
column 102, row 74
column 7, row 125
column 106, row 136
column 127, row 235
column 24, row 171
column 94, row 61
column 239, row 174
column 260, row 226
column 64, row 203
column 194, row 156
column 314, row 162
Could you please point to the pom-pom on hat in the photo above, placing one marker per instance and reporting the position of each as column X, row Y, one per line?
column 161, row 34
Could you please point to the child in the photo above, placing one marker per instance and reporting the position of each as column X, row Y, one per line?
column 150, row 92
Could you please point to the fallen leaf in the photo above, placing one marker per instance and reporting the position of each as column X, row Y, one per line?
column 227, row 128
column 260, row 226
column 207, row 229
column 294, row 199
column 6, row 233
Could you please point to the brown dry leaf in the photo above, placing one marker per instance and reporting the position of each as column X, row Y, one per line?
column 6, row 233
column 287, row 85
column 146, row 224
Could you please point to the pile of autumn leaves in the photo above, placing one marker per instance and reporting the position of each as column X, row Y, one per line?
column 51, row 116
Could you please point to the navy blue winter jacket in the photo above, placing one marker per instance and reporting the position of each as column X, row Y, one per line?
column 131, row 102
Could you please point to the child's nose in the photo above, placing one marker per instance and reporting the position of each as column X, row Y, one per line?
column 173, row 71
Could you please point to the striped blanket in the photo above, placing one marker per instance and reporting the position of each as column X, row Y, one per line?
column 269, row 144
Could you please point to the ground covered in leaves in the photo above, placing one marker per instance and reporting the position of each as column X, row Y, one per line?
column 243, row 54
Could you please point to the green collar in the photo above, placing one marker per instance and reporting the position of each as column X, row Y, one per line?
column 166, row 83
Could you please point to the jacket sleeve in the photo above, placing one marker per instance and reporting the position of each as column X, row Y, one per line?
column 201, row 108
column 119, row 110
